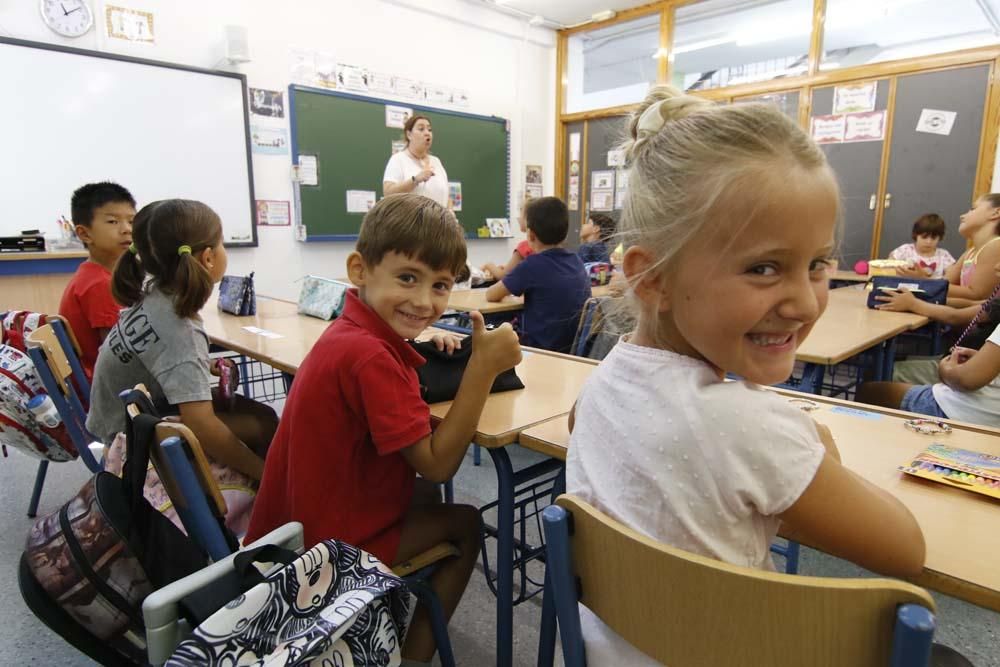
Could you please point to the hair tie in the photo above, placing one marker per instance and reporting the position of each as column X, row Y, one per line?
column 184, row 250
column 651, row 119
column 132, row 249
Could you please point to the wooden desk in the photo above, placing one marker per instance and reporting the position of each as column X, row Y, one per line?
column 844, row 276
column 40, row 293
column 37, row 263
column 959, row 527
column 848, row 327
column 475, row 299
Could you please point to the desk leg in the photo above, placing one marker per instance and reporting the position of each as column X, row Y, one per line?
column 505, row 556
column 888, row 359
column 287, row 377
column 812, row 378
column 477, row 454
column 547, row 631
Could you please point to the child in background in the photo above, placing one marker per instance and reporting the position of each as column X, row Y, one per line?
column 726, row 279
column 521, row 252
column 552, row 279
column 355, row 431
column 102, row 214
column 595, row 235
column 926, row 259
column 164, row 280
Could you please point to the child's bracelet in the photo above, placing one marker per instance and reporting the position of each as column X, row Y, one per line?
column 927, row 426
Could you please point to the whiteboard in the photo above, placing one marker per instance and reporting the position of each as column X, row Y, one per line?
column 73, row 117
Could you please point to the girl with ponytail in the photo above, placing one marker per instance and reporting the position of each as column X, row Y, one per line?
column 729, row 220
column 176, row 258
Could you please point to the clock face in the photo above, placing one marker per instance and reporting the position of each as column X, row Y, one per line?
column 70, row 18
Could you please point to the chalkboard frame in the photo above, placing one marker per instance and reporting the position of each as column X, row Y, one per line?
column 293, row 142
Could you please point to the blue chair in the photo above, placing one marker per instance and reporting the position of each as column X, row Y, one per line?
column 188, row 482
column 683, row 609
column 54, row 353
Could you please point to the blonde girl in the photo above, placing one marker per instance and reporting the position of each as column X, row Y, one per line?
column 729, row 220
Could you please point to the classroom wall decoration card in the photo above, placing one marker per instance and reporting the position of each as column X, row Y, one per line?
column 936, row 121
column 267, row 103
column 855, row 97
column 274, row 213
column 268, row 140
column 129, row 24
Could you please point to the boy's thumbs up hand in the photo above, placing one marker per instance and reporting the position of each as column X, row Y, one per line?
column 494, row 351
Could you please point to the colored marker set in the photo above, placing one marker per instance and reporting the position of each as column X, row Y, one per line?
column 973, row 471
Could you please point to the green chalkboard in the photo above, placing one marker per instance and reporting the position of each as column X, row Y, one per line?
column 348, row 136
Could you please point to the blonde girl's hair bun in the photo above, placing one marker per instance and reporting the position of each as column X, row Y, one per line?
column 663, row 104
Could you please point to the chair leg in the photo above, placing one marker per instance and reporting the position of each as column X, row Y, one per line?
column 449, row 492
column 792, row 557
column 547, row 632
column 439, row 625
column 36, row 493
column 477, row 455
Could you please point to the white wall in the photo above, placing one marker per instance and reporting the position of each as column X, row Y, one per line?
column 507, row 67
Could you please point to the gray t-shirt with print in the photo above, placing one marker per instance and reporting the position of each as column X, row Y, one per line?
column 152, row 345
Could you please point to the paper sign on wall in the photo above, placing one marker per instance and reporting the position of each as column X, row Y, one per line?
column 398, row 146
column 533, row 173
column 352, row 77
column 574, row 146
column 268, row 103
column 360, row 201
column 602, row 200
column 499, row 227
column 455, row 196
column 935, row 121
column 268, row 140
column 532, row 190
column 616, row 158
column 574, row 193
column 828, row 129
column 397, row 116
column 855, row 97
column 864, row 126
column 308, row 170
column 602, row 180
column 274, row 213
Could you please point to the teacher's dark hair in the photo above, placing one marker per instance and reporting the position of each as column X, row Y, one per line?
column 410, row 122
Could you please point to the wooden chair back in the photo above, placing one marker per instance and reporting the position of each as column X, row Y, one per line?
column 685, row 609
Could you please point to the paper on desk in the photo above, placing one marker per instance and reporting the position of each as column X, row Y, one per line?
column 262, row 332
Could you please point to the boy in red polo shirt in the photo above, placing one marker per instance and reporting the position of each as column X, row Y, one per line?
column 102, row 213
column 354, row 430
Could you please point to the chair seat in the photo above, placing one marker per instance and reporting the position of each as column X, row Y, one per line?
column 420, row 561
column 945, row 656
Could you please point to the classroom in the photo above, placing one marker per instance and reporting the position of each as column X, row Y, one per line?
column 500, row 332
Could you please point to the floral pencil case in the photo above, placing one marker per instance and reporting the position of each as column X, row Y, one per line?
column 322, row 297
column 237, row 295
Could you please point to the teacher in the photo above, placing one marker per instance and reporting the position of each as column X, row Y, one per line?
column 414, row 169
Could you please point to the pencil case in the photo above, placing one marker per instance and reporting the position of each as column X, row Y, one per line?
column 926, row 289
column 322, row 297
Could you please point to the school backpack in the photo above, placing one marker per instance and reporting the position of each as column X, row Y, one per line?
column 19, row 382
column 598, row 272
column 104, row 551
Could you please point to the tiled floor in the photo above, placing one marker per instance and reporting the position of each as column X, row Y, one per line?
column 24, row 640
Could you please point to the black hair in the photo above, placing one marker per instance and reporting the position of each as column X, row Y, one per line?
column 606, row 224
column 548, row 218
column 90, row 197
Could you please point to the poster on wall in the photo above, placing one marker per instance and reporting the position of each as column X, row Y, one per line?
column 352, row 77
column 574, row 147
column 574, row 193
column 855, row 97
column 602, row 180
column 269, row 140
column 128, row 24
column 828, row 129
column 302, row 66
column 455, row 196
column 499, row 228
column 308, row 170
column 407, row 88
column 620, row 198
column 274, row 213
column 379, row 82
column 267, row 103
column 360, row 201
column 532, row 191
column 616, row 158
column 325, row 75
column 935, row 121
column 396, row 116
column 864, row 126
column 533, row 173
column 602, row 200
column 398, row 146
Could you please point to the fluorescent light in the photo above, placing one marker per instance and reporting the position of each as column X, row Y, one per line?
column 660, row 53
column 605, row 15
column 703, row 44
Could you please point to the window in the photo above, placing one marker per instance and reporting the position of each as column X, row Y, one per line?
column 728, row 42
column 612, row 65
column 871, row 31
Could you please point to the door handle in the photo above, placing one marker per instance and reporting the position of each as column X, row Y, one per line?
column 871, row 202
column 888, row 200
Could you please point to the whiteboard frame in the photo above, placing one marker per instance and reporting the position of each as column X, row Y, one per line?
column 186, row 68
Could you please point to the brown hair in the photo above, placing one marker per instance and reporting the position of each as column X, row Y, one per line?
column 548, row 218
column 994, row 199
column 606, row 224
column 415, row 226
column 410, row 122
column 158, row 231
column 929, row 224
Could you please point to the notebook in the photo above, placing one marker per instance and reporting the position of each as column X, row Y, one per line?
column 965, row 469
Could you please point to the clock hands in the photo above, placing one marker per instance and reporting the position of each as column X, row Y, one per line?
column 72, row 10
column 65, row 13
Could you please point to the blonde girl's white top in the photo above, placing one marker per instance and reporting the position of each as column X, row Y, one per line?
column 665, row 447
column 402, row 167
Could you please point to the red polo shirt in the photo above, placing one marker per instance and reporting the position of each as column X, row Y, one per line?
column 87, row 305
column 335, row 462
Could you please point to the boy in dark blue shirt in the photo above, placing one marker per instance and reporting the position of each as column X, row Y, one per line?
column 552, row 279
column 595, row 236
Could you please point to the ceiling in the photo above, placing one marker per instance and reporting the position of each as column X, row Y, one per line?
column 569, row 12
